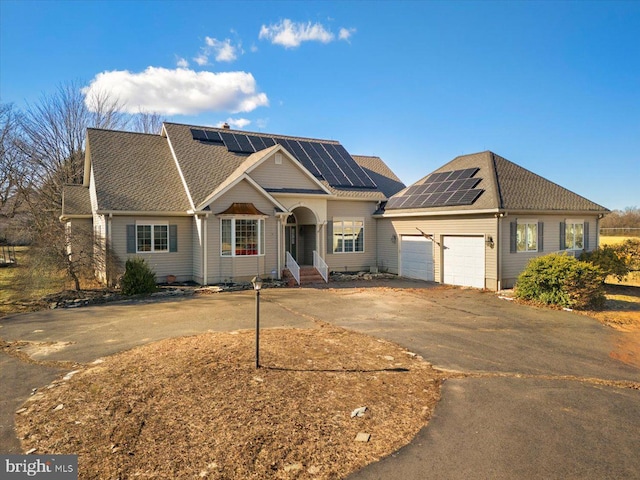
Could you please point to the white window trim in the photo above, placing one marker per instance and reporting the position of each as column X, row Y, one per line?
column 261, row 235
column 153, row 247
column 573, row 221
column 350, row 219
column 528, row 222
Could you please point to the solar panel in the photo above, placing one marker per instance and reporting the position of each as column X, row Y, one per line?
column 313, row 157
column 330, row 167
column 468, row 172
column 470, row 196
column 257, row 142
column 230, row 142
column 328, row 161
column 245, row 144
column 198, row 134
column 324, row 163
column 363, row 179
column 450, row 188
column 213, row 136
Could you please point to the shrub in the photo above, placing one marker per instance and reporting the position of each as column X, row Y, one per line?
column 618, row 260
column 138, row 277
column 609, row 260
column 562, row 280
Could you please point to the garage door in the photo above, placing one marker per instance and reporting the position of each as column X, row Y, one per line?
column 416, row 258
column 464, row 261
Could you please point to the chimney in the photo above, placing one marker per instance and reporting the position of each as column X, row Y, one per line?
column 226, row 126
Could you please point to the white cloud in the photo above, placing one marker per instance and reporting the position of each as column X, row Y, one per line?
column 201, row 59
column 180, row 91
column 345, row 33
column 290, row 34
column 237, row 123
column 224, row 51
column 182, row 63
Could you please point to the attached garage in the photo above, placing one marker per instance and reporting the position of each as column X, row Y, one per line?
column 463, row 261
column 416, row 257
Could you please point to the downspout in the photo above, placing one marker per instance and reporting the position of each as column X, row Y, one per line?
column 107, row 273
column 279, row 251
column 205, row 279
column 499, row 217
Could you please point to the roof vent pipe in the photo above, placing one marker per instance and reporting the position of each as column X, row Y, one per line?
column 226, row 126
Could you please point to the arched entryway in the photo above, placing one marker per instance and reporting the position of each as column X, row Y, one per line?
column 301, row 235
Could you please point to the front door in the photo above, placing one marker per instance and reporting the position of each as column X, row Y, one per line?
column 291, row 241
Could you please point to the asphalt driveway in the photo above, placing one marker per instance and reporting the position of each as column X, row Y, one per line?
column 539, row 393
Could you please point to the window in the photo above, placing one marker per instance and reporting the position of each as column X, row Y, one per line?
column 527, row 237
column 574, row 235
column 152, row 238
column 241, row 237
column 348, row 236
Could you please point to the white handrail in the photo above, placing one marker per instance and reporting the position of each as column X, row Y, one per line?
column 320, row 265
column 293, row 267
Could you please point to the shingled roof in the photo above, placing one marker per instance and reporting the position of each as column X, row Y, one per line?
column 507, row 186
column 135, row 172
column 76, row 201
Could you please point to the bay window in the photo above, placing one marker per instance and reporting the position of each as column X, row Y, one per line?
column 241, row 237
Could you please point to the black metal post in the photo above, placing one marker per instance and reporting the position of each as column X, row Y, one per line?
column 257, row 328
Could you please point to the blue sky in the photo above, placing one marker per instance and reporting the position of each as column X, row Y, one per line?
column 552, row 86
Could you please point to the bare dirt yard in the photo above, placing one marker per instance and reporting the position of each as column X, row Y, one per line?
column 196, row 407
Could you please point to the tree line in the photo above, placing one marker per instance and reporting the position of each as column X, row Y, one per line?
column 622, row 220
column 42, row 149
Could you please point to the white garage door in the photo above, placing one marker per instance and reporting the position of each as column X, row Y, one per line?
column 464, row 261
column 416, row 258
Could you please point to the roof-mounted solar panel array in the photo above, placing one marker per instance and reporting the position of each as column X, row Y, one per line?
column 442, row 189
column 206, row 135
column 326, row 161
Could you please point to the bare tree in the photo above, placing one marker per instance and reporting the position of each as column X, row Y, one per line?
column 147, row 122
column 53, row 147
column 9, row 159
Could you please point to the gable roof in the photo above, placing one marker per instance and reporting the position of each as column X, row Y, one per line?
column 134, row 172
column 503, row 185
column 206, row 165
column 173, row 172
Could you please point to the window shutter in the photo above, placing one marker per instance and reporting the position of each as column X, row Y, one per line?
column 131, row 239
column 513, row 237
column 330, row 236
column 173, row 238
column 540, row 236
column 586, row 236
column 563, row 238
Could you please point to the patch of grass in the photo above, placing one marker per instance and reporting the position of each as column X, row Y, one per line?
column 622, row 308
column 196, row 407
column 23, row 285
column 613, row 240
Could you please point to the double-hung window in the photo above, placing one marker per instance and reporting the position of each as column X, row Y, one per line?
column 527, row 236
column 152, row 238
column 348, row 235
column 241, row 237
column 574, row 235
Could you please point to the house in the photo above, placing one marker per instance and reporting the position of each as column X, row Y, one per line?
column 477, row 221
column 214, row 205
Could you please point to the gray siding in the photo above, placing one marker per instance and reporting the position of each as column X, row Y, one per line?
column 178, row 263
column 514, row 263
column 439, row 227
column 353, row 261
column 221, row 269
column 286, row 175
